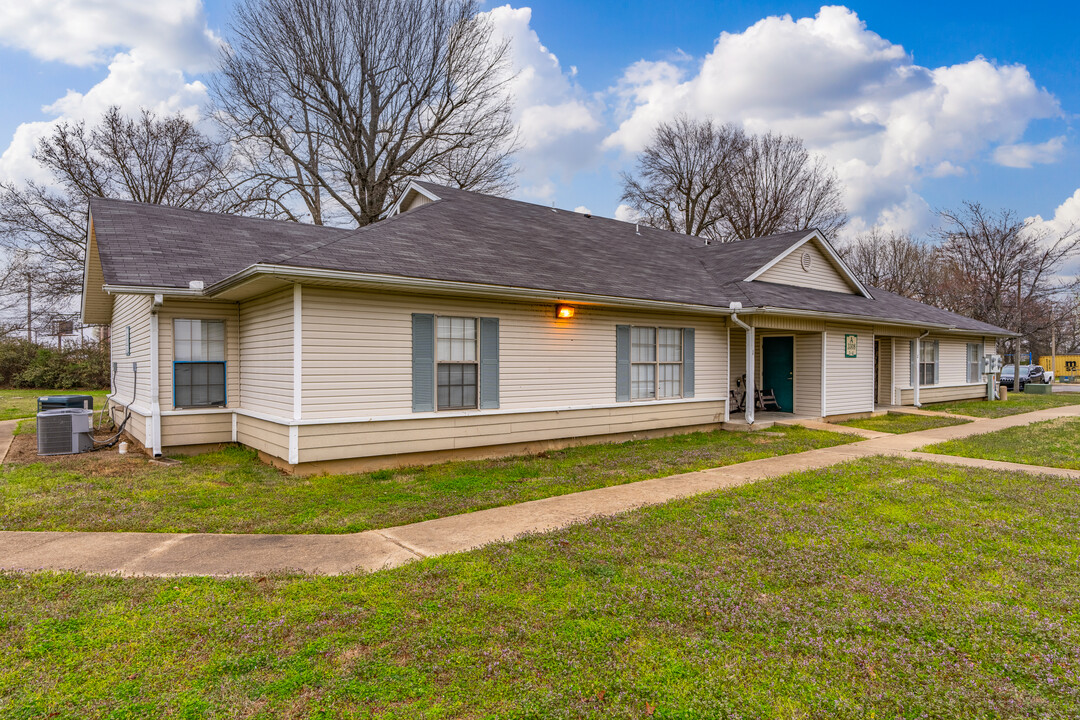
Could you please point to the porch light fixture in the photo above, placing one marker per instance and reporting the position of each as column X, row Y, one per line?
column 564, row 312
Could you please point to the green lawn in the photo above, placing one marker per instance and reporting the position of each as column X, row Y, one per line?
column 231, row 491
column 1053, row 443
column 1016, row 404
column 22, row 403
column 878, row 589
column 903, row 423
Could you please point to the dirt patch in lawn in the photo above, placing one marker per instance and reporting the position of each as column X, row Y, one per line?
column 24, row 450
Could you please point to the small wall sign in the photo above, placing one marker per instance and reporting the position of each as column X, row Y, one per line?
column 851, row 345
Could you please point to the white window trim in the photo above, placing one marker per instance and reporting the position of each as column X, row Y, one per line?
column 475, row 362
column 224, row 361
column 657, row 363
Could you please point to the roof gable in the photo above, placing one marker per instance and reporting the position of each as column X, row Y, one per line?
column 810, row 262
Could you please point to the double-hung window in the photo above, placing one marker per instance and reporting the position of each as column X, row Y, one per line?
column 974, row 362
column 656, row 358
column 456, row 363
column 928, row 363
column 198, row 363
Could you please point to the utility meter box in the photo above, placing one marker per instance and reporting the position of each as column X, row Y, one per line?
column 992, row 364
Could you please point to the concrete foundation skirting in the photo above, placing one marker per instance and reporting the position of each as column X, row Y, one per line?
column 486, row 452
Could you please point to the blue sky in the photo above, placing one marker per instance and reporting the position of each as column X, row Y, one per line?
column 918, row 105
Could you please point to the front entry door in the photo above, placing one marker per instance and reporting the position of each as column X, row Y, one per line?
column 778, row 370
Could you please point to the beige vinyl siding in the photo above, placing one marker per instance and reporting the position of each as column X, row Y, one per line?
column 902, row 363
column 932, row 394
column 808, row 374
column 197, row 310
column 417, row 200
column 849, row 382
column 196, row 429
column 822, row 275
column 738, row 356
column 269, row 437
column 375, row 438
column 134, row 311
column 885, row 379
column 97, row 305
column 781, row 322
column 357, row 352
column 266, row 354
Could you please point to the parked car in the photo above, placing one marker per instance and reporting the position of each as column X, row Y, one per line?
column 1028, row 374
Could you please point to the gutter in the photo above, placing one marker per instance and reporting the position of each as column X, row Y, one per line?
column 748, row 401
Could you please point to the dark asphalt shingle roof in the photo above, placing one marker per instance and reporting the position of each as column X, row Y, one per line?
column 473, row 238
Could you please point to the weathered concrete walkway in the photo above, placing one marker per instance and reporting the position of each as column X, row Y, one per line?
column 177, row 554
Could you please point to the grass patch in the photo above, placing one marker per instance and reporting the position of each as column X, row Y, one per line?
column 903, row 423
column 1016, row 404
column 231, row 491
column 22, row 403
column 880, row 588
column 1051, row 443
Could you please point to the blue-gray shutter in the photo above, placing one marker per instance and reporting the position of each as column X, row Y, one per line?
column 423, row 362
column 937, row 362
column 489, row 363
column 622, row 363
column 688, row 362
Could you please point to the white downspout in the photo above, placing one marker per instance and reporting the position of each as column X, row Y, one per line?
column 749, row 402
column 918, row 369
column 155, row 404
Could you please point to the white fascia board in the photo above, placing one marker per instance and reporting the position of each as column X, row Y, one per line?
column 412, row 187
column 829, row 250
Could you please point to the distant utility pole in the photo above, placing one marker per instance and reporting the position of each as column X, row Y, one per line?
column 1019, row 332
column 29, row 307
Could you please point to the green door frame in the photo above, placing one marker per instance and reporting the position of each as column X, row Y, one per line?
column 784, row 388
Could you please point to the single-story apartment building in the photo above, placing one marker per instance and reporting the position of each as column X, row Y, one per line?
column 470, row 324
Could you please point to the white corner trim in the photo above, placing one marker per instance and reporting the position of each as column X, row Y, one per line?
column 234, row 427
column 824, row 356
column 298, row 351
column 877, row 375
column 294, row 444
column 154, row 434
column 829, row 251
column 892, row 372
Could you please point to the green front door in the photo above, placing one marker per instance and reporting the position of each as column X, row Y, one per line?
column 778, row 370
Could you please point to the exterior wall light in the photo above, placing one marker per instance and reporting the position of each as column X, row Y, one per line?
column 564, row 311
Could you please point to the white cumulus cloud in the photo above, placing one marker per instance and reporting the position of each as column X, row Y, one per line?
column 560, row 125
column 884, row 121
column 88, row 32
column 151, row 48
column 1025, row 155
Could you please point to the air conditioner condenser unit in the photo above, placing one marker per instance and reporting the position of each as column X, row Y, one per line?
column 65, row 431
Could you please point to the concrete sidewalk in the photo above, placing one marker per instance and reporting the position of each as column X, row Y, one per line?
column 175, row 554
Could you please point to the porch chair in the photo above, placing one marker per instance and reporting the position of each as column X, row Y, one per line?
column 766, row 400
column 738, row 401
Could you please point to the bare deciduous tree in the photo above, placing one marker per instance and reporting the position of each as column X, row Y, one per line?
column 719, row 183
column 680, row 177
column 152, row 159
column 995, row 263
column 338, row 103
column 893, row 261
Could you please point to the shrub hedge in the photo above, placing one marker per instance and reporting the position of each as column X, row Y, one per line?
column 30, row 365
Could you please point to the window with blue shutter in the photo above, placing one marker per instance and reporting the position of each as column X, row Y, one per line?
column 455, row 363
